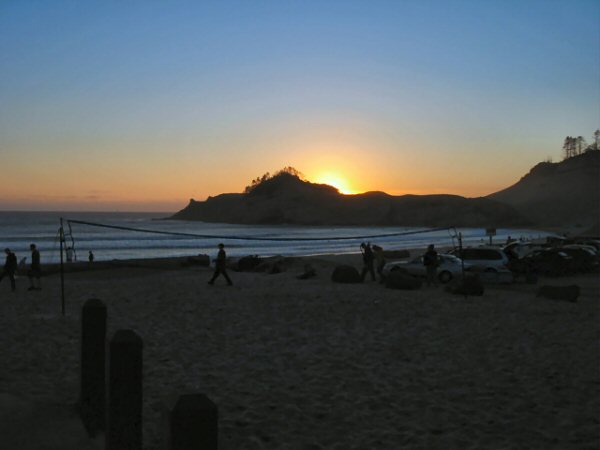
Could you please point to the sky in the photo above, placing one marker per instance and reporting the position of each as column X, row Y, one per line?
column 142, row 105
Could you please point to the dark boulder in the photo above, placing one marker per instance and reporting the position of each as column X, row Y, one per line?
column 248, row 263
column 568, row 293
column 345, row 274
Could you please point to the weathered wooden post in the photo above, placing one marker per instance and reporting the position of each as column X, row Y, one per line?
column 93, row 357
column 192, row 424
column 124, row 407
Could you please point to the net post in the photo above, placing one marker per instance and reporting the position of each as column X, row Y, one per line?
column 62, row 269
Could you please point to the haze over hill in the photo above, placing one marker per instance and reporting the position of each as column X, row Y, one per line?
column 558, row 194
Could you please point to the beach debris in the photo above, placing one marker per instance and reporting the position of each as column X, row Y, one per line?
column 345, row 274
column 401, row 280
column 469, row 285
column 568, row 293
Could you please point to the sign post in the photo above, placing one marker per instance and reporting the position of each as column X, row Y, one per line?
column 490, row 232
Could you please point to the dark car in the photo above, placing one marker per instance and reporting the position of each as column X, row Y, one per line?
column 551, row 262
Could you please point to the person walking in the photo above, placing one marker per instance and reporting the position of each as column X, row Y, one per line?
column 368, row 259
column 431, row 263
column 35, row 270
column 220, row 266
column 10, row 267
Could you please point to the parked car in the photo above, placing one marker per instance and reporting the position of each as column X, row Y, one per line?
column 519, row 249
column 551, row 262
column 450, row 266
column 588, row 248
column 490, row 259
column 591, row 242
column 585, row 259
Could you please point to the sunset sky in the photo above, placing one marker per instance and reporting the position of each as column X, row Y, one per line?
column 142, row 105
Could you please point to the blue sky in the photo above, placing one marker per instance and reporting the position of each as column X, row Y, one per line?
column 142, row 105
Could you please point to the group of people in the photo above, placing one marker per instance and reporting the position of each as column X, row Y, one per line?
column 372, row 259
column 34, row 273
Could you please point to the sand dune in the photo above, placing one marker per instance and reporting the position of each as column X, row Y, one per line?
column 297, row 364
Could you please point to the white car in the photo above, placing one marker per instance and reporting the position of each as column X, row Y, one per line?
column 450, row 266
column 489, row 259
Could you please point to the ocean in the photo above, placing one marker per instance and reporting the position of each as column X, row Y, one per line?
column 19, row 229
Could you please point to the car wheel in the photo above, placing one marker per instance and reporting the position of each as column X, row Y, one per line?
column 445, row 276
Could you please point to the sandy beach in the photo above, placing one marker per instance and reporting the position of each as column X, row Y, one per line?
column 310, row 364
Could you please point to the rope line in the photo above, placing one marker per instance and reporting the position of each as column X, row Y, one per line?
column 255, row 238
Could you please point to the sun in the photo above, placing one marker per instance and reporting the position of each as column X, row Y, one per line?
column 335, row 180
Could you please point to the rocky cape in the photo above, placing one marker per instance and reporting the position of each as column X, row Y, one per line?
column 552, row 194
column 286, row 199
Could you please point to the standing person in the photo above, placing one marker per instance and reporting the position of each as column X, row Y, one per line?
column 10, row 267
column 35, row 270
column 220, row 266
column 90, row 257
column 368, row 258
column 379, row 260
column 431, row 263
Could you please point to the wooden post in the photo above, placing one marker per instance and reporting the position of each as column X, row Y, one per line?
column 193, row 424
column 124, row 408
column 93, row 357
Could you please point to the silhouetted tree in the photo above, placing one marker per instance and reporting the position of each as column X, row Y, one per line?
column 291, row 171
column 569, row 147
column 267, row 176
column 580, row 144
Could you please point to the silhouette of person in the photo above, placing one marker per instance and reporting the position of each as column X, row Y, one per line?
column 368, row 259
column 220, row 266
column 35, row 270
column 10, row 267
column 431, row 263
column 90, row 257
column 379, row 260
